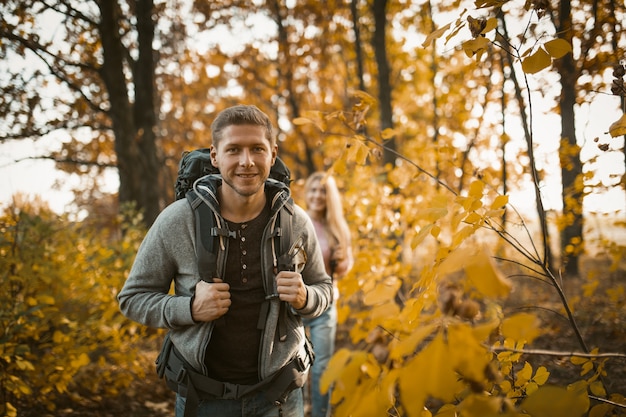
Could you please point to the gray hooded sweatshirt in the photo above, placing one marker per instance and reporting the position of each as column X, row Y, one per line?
column 168, row 253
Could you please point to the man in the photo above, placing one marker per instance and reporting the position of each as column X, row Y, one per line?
column 235, row 338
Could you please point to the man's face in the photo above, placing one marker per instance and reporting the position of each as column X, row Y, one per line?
column 244, row 157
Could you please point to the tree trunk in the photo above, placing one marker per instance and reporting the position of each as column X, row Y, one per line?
column 379, row 10
column 569, row 153
column 133, row 124
column 354, row 11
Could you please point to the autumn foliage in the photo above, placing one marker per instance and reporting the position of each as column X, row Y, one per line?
column 62, row 332
column 425, row 301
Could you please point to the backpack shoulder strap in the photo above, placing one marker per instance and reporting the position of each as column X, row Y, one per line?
column 207, row 237
column 285, row 236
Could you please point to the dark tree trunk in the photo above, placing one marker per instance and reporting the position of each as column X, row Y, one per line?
column 357, row 43
column 571, row 167
column 379, row 9
column 133, row 123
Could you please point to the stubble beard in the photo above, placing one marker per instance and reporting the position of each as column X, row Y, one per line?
column 244, row 191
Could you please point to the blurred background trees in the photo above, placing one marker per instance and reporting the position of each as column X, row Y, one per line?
column 409, row 102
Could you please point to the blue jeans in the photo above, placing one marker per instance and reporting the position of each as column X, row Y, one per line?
column 322, row 330
column 252, row 405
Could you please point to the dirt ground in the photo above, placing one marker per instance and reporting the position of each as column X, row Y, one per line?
column 601, row 319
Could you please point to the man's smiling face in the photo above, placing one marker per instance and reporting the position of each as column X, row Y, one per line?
column 244, row 158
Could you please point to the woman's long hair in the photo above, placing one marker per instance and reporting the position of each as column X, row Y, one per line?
column 335, row 220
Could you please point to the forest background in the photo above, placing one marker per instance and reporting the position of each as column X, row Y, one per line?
column 458, row 304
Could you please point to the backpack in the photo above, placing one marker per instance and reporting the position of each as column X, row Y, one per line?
column 197, row 164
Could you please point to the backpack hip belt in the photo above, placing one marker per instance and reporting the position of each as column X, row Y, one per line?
column 194, row 386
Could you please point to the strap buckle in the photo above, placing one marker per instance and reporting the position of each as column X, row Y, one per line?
column 181, row 376
column 231, row 391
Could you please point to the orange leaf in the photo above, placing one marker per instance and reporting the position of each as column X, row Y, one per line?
column 435, row 35
column 556, row 402
column 536, row 62
column 619, row 127
column 558, row 48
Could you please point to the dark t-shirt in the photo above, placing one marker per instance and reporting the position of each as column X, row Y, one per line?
column 233, row 351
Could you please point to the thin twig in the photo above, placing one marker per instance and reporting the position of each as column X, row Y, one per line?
column 545, row 352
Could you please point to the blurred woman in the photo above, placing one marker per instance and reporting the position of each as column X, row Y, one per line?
column 323, row 204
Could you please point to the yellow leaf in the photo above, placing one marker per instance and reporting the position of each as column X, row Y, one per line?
column 499, row 202
column 558, row 48
column 45, row 299
column 408, row 345
column 494, row 213
column 383, row 292
column 619, row 127
column 578, row 386
column 483, row 330
column 24, row 365
column 82, row 360
column 556, row 402
column 336, row 365
column 531, row 387
column 371, row 369
column 476, row 189
column 536, row 62
column 492, row 23
column 299, row 121
column 419, row 238
column 433, row 213
column 482, row 272
column 430, row 373
column 311, row 117
column 597, row 388
column 600, row 410
column 541, row 376
column 25, row 389
column 587, row 367
column 480, row 405
column 369, row 400
column 363, row 96
column 466, row 354
column 473, row 46
column 506, row 386
column 525, row 373
column 362, row 153
column 435, row 35
column 383, row 312
column 61, row 386
column 577, row 360
column 457, row 28
column 489, row 3
column 448, row 410
column 454, row 260
column 521, row 326
column 340, row 166
column 472, row 218
column 58, row 337
column 460, row 236
column 388, row 133
column 10, row 410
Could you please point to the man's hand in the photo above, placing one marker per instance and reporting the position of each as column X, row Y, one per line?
column 211, row 301
column 291, row 288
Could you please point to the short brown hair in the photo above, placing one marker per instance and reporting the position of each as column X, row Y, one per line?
column 241, row 114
